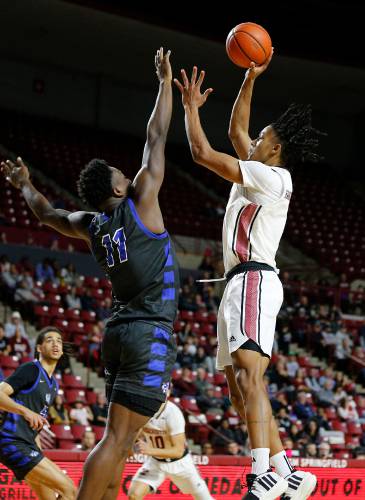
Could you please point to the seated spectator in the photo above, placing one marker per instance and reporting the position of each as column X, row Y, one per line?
column 58, row 413
column 184, row 385
column 4, row 342
column 88, row 441
column 15, row 323
column 312, row 431
column 312, row 381
column 339, row 393
column 280, row 401
column 87, row 301
column 209, row 403
column 44, row 271
column 201, row 382
column 233, row 449
column 322, row 419
column 292, row 366
column 207, row 449
column 324, row 451
column 68, row 275
column 224, row 434
column 310, row 451
column 184, row 357
column 302, row 409
column 326, row 396
column 19, row 345
column 100, row 410
column 297, row 435
column 72, row 300
column 283, row 419
column 81, row 413
column 347, row 409
column 241, row 434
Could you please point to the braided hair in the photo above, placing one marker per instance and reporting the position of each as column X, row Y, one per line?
column 95, row 183
column 298, row 138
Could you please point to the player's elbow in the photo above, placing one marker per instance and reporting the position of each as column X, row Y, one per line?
column 199, row 153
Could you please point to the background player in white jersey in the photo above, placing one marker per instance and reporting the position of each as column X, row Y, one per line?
column 165, row 444
column 253, row 225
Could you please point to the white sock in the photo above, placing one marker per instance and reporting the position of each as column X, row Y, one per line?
column 282, row 465
column 260, row 460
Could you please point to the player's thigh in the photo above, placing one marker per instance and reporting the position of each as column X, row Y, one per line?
column 150, row 475
column 50, row 475
column 42, row 492
column 190, row 482
column 188, row 479
column 139, row 490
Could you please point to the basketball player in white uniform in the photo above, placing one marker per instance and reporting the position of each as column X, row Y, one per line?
column 254, row 222
column 165, row 444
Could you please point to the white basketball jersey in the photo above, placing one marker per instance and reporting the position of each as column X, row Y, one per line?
column 256, row 214
column 169, row 423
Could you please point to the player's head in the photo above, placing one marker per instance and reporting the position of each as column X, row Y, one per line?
column 49, row 344
column 99, row 181
column 288, row 141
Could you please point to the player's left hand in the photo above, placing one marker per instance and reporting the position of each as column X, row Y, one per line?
column 16, row 173
column 142, row 447
column 163, row 66
column 190, row 91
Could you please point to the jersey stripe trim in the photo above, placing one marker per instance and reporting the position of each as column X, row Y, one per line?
column 235, row 231
column 251, row 309
column 249, row 233
column 243, row 231
column 259, row 305
column 140, row 224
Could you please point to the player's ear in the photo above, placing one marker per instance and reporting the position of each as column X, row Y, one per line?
column 117, row 192
column 277, row 148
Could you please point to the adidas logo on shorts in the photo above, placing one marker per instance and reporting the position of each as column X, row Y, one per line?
column 232, row 339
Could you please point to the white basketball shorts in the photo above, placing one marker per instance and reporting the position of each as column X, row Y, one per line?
column 248, row 310
column 182, row 472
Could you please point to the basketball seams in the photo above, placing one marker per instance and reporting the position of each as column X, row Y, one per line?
column 253, row 38
column 239, row 47
column 242, row 50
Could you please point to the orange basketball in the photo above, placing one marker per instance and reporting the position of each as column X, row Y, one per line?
column 248, row 42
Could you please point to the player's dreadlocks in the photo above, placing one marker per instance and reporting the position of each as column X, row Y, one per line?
column 297, row 136
column 95, row 183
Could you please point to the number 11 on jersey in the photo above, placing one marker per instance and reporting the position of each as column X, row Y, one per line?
column 119, row 240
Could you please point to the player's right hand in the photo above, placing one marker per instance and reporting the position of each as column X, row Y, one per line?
column 16, row 173
column 35, row 421
column 254, row 70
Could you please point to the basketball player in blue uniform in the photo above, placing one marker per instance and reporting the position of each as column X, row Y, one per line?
column 25, row 397
column 128, row 239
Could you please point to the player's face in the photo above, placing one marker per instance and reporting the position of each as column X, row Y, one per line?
column 120, row 183
column 265, row 147
column 51, row 347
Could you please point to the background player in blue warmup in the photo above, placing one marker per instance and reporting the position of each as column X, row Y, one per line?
column 128, row 239
column 25, row 397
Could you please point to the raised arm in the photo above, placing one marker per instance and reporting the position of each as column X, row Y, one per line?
column 224, row 165
column 240, row 117
column 149, row 179
column 74, row 224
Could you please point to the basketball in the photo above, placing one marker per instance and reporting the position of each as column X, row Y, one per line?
column 248, row 42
